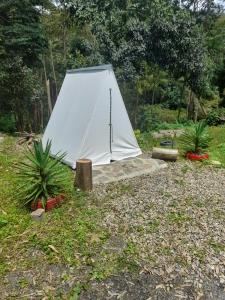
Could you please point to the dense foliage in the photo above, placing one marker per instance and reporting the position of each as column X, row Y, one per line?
column 163, row 51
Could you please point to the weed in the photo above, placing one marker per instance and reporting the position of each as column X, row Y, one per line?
column 199, row 253
column 173, row 204
column 217, row 246
column 167, row 195
column 185, row 169
column 74, row 295
column 189, row 201
column 23, row 282
column 153, row 226
column 3, row 222
column 165, row 250
column 177, row 217
column 218, row 214
column 179, row 181
column 130, row 248
column 98, row 275
column 127, row 263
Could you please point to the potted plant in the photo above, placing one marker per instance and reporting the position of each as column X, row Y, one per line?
column 43, row 179
column 195, row 140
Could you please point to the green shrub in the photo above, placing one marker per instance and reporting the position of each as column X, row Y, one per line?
column 154, row 117
column 195, row 138
column 148, row 118
column 7, row 123
column 214, row 117
column 41, row 176
column 139, row 137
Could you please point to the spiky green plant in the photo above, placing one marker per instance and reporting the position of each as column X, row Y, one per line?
column 41, row 176
column 195, row 138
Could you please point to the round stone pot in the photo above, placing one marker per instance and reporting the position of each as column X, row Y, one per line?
column 195, row 156
column 50, row 204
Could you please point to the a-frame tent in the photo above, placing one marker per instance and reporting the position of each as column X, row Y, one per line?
column 90, row 120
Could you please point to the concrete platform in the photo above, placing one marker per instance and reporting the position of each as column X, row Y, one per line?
column 128, row 168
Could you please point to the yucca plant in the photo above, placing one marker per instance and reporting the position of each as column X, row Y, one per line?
column 41, row 176
column 196, row 138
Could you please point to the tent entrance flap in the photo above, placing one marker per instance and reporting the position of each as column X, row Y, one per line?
column 110, row 121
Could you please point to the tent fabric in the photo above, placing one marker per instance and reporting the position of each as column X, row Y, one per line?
column 80, row 121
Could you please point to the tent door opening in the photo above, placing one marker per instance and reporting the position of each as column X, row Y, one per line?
column 110, row 121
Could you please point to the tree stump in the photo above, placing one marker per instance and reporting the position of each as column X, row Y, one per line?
column 83, row 178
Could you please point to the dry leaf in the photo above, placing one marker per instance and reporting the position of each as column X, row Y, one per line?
column 53, row 248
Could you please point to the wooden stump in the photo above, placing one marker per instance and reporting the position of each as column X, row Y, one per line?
column 165, row 154
column 83, row 178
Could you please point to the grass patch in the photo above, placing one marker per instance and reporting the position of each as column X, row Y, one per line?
column 70, row 235
column 177, row 218
column 165, row 250
column 198, row 253
column 217, row 146
column 153, row 226
column 217, row 246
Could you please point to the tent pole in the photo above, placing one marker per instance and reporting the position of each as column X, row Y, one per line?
column 110, row 120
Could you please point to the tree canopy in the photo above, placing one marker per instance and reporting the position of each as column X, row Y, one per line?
column 182, row 40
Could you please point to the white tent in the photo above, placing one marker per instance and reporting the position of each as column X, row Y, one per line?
column 90, row 120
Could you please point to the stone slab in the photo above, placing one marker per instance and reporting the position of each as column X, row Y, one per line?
column 127, row 168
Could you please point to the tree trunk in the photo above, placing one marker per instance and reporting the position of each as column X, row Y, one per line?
column 179, row 104
column 190, row 106
column 136, row 111
column 53, row 67
column 83, row 178
column 64, row 34
column 153, row 96
column 47, row 88
column 41, row 116
column 196, row 108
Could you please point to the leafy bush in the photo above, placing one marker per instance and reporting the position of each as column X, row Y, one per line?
column 173, row 97
column 145, row 140
column 148, row 118
column 139, row 137
column 195, row 138
column 41, row 175
column 154, row 117
column 214, row 117
column 7, row 123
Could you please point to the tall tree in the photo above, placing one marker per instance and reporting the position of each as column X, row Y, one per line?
column 22, row 43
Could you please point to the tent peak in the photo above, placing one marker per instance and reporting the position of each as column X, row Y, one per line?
column 94, row 68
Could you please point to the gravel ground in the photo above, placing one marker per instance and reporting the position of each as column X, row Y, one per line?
column 170, row 224
column 174, row 221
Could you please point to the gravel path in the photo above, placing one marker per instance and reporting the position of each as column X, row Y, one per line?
column 174, row 222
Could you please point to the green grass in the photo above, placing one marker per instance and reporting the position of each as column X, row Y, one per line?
column 217, row 146
column 70, row 235
column 177, row 217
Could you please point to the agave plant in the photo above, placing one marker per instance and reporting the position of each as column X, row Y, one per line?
column 196, row 138
column 41, row 176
